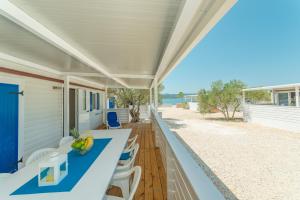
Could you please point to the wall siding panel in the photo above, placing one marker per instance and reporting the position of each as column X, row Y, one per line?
column 282, row 117
column 43, row 115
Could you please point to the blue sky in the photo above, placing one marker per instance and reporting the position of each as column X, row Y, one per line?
column 258, row 42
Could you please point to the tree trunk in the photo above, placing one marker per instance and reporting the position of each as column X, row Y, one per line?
column 135, row 115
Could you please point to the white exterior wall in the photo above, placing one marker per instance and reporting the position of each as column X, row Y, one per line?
column 96, row 118
column 282, row 117
column 43, row 110
column 43, row 114
column 89, row 119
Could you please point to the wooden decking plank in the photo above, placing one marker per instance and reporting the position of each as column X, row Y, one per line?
column 162, row 173
column 157, row 187
column 148, row 173
column 140, row 193
column 153, row 180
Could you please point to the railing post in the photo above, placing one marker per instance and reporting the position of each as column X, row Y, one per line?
column 155, row 94
column 66, row 105
column 105, row 97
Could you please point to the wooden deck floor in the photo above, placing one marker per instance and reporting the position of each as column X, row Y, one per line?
column 153, row 180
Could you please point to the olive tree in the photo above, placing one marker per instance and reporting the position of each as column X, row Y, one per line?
column 225, row 97
column 132, row 99
column 180, row 95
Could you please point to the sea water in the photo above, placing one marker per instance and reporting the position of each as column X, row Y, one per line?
column 172, row 101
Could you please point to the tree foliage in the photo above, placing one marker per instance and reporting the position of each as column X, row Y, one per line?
column 226, row 98
column 132, row 99
column 180, row 95
column 258, row 96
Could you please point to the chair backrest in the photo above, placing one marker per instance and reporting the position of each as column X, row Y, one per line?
column 133, row 156
column 132, row 141
column 126, row 175
column 137, row 170
column 38, row 155
column 112, row 116
column 130, row 163
column 65, row 140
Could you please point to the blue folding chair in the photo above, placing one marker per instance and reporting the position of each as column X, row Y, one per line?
column 112, row 120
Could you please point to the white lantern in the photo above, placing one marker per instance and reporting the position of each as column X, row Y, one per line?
column 53, row 170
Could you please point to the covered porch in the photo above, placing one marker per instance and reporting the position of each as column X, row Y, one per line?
column 57, row 61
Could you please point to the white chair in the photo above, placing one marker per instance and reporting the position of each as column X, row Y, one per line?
column 65, row 140
column 131, row 142
column 38, row 155
column 126, row 155
column 123, row 179
column 129, row 163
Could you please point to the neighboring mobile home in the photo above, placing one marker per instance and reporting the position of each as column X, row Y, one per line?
column 281, row 112
column 57, row 59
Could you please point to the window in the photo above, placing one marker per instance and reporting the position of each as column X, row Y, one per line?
column 91, row 101
column 94, row 101
column 98, row 101
column 283, row 99
column 84, row 100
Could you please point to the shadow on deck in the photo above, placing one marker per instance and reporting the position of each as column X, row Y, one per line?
column 153, row 184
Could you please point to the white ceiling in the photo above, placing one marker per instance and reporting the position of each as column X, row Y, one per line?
column 22, row 44
column 127, row 37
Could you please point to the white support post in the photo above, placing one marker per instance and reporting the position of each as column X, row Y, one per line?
column 297, row 96
column 272, row 97
column 289, row 98
column 66, row 106
column 155, row 95
column 105, row 97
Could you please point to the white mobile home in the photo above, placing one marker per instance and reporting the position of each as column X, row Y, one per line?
column 282, row 111
column 57, row 59
column 41, row 103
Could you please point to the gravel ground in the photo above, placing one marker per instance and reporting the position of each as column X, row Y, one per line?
column 249, row 160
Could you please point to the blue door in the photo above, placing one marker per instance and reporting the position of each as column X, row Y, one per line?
column 9, row 110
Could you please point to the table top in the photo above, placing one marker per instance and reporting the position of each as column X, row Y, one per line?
column 92, row 185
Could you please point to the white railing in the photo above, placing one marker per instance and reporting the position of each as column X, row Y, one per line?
column 185, row 178
column 282, row 117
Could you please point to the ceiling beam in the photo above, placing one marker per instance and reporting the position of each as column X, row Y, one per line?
column 189, row 10
column 180, row 43
column 130, row 76
column 76, row 78
column 13, row 13
column 134, row 76
column 29, row 64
